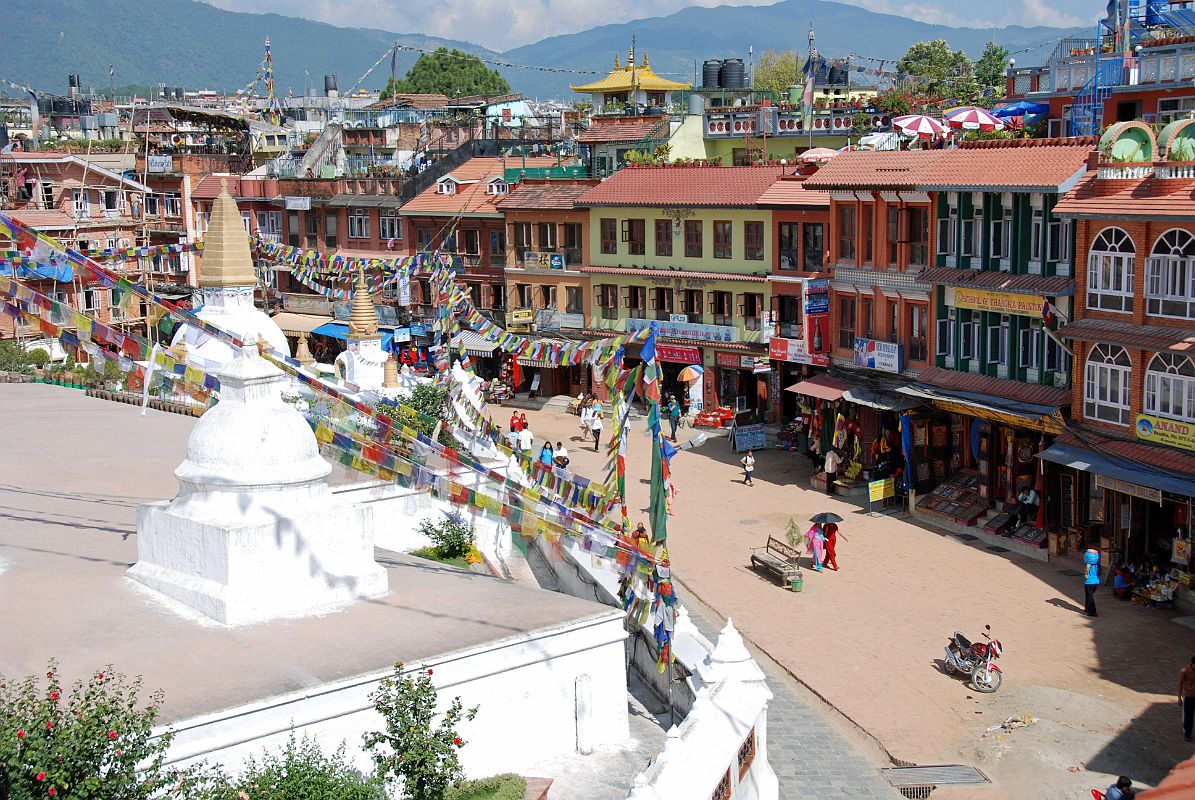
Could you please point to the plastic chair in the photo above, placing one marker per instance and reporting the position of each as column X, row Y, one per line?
column 1096, row 794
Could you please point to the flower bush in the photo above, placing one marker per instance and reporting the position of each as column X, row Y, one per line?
column 92, row 741
column 411, row 753
column 451, row 537
column 299, row 770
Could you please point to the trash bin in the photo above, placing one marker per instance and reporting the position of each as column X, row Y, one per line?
column 797, row 582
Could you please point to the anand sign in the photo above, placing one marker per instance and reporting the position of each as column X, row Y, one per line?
column 1165, row 431
column 1021, row 305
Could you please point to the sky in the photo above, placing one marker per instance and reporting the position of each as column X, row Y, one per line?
column 504, row 24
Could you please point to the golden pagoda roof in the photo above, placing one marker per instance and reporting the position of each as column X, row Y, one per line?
column 623, row 79
column 226, row 258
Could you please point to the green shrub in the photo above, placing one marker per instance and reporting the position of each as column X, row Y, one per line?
column 39, row 357
column 452, row 536
column 299, row 770
column 499, row 787
column 13, row 357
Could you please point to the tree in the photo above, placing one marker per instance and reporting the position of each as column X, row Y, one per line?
column 450, row 72
column 939, row 72
column 989, row 69
column 778, row 71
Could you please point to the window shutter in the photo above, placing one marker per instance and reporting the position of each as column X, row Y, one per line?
column 742, row 304
column 653, row 302
column 626, row 298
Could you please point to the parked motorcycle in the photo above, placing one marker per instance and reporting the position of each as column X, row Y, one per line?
column 975, row 659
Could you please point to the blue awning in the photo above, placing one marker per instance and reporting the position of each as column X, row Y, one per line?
column 339, row 330
column 1115, row 467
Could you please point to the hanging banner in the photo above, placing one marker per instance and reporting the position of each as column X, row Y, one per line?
column 1024, row 305
column 882, row 356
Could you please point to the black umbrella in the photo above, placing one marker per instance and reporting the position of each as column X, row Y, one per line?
column 825, row 517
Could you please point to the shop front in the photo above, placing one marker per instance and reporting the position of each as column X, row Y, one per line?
column 486, row 361
column 791, row 363
column 681, row 371
column 743, row 383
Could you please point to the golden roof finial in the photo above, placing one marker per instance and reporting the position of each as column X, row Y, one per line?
column 646, row 63
column 363, row 319
column 616, row 64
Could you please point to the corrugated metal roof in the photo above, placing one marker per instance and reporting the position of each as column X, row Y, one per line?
column 997, row 387
column 992, row 280
column 1144, row 337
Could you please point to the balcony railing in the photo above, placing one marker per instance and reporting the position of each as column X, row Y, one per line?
column 1175, row 170
column 1125, row 171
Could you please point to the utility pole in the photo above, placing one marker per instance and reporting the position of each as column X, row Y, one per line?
column 810, row 77
column 112, row 85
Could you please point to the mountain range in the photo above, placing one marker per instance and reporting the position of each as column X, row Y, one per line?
column 195, row 45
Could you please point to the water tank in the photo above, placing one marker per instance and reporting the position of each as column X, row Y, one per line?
column 89, row 122
column 108, row 120
column 45, row 105
column 62, row 106
column 178, row 94
column 794, row 95
column 834, row 76
column 732, row 74
column 709, row 73
column 72, row 81
column 330, row 86
column 696, row 104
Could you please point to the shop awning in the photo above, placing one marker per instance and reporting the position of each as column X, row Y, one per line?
column 294, row 324
column 884, row 401
column 823, row 387
column 474, row 344
column 1112, row 466
column 340, row 330
column 1047, row 419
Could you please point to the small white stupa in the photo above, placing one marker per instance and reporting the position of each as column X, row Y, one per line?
column 226, row 285
column 254, row 533
column 363, row 363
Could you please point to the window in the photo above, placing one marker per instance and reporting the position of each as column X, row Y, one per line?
column 1170, row 276
column 636, row 236
column 690, row 304
column 389, row 226
column 497, row 186
column 969, row 347
column 1107, row 378
column 111, row 202
column 47, row 194
column 91, row 299
column 1035, row 236
column 358, row 223
column 893, row 236
column 866, row 316
column 522, row 234
column 174, row 204
column 944, row 342
column 472, row 241
column 572, row 242
column 663, row 237
column 919, row 236
column 547, row 236
column 722, row 239
column 661, row 302
column 999, row 237
column 998, row 341
column 751, row 310
column 312, row 227
column 1056, row 358
column 245, row 221
column 720, row 307
column 967, row 245
column 1170, row 387
column 82, row 203
column 1110, row 271
column 788, row 315
column 446, row 186
column 868, row 232
column 946, row 231
column 498, row 248
column 153, row 205
column 330, row 223
column 893, row 321
column 846, row 322
column 846, row 235
column 1030, row 345
column 572, row 300
column 498, row 295
column 424, row 235
column 523, row 295
column 815, row 247
column 918, row 322
column 609, row 231
column 547, row 296
column 753, row 241
column 1060, row 240
column 1175, row 108
column 789, row 245
column 635, row 299
column 693, row 239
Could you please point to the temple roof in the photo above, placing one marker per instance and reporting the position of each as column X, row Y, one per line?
column 624, row 79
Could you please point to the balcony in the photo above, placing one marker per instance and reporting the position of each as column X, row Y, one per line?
column 1175, row 170
column 374, row 185
column 788, row 121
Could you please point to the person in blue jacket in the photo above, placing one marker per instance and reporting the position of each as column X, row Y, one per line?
column 1091, row 580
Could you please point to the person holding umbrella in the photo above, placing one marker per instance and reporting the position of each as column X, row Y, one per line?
column 822, row 537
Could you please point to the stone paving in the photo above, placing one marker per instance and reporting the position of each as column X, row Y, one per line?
column 868, row 639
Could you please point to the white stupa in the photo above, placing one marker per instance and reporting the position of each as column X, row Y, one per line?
column 226, row 285
column 254, row 533
column 363, row 363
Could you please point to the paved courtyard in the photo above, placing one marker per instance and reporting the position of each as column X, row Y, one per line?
column 868, row 639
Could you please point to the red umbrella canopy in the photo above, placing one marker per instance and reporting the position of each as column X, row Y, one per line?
column 972, row 118
column 920, row 125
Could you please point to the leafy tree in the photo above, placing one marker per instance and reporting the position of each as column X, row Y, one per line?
column 299, row 770
column 13, row 357
column 778, row 71
column 451, row 537
column 989, row 69
column 450, row 72
column 939, row 72
column 427, row 406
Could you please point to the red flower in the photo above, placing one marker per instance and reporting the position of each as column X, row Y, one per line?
column 21, row 734
column 51, row 791
column 53, row 695
column 41, row 776
column 429, row 672
column 111, row 735
column 118, row 754
column 100, row 675
column 457, row 741
column 49, row 726
column 49, row 674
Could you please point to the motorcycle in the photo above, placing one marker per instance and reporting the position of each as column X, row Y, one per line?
column 975, row 659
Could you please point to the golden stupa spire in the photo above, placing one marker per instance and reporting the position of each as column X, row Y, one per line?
column 363, row 319
column 226, row 257
column 616, row 64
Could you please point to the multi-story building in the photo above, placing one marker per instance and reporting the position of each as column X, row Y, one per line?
column 688, row 247
column 1128, row 457
column 86, row 207
column 547, row 243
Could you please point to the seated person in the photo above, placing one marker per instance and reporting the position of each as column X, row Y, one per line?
column 1121, row 790
column 1027, row 502
column 561, row 455
column 1122, row 586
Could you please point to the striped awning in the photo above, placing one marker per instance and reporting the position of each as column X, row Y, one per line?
column 474, row 344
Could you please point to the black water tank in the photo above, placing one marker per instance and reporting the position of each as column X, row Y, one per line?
column 732, row 75
column 329, row 84
column 178, row 94
column 72, row 81
column 709, row 73
column 45, row 105
column 62, row 106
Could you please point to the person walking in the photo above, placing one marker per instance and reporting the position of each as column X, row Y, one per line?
column 586, row 417
column 833, row 462
column 831, row 532
column 673, row 412
column 1186, row 696
column 748, row 462
column 815, row 541
column 595, row 425
column 523, row 422
column 1091, row 580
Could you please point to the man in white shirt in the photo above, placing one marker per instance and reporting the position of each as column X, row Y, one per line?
column 1027, row 503
column 526, row 440
column 561, row 455
column 833, row 462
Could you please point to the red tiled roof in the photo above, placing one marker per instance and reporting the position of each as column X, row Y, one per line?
column 703, row 185
column 471, row 196
column 545, row 195
column 790, row 190
column 1117, row 199
column 675, row 273
column 863, row 169
column 623, row 129
column 1053, row 285
column 1178, row 785
column 1165, row 458
column 1013, row 164
column 209, row 187
column 997, row 387
column 1144, row 337
column 46, row 219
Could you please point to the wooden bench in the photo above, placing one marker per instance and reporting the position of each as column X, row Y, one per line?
column 777, row 558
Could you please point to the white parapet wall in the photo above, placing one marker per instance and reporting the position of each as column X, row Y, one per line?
column 526, row 687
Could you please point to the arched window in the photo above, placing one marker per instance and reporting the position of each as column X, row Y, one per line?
column 1106, row 394
column 1170, row 276
column 1170, row 387
column 1110, row 271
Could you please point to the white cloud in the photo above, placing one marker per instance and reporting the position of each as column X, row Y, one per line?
column 1020, row 12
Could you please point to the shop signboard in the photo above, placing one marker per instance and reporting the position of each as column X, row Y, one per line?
column 159, row 164
column 522, row 316
column 794, row 350
column 750, row 437
column 1131, row 489
column 297, row 203
column 678, row 355
column 1158, row 430
column 882, row 356
column 817, row 296
column 1021, row 305
column 402, row 335
column 730, row 360
column 678, row 317
column 881, row 489
column 537, row 260
column 306, row 303
column 686, row 330
column 418, row 329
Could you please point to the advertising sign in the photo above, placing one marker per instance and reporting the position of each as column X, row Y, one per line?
column 678, row 317
column 882, row 356
column 297, row 203
column 1131, row 489
column 750, row 437
column 794, row 350
column 686, row 330
column 1165, row 431
column 727, row 360
column 1023, row 305
column 535, row 260
column 817, row 337
column 678, row 355
column 881, row 489
column 159, row 164
column 522, row 316
column 817, row 296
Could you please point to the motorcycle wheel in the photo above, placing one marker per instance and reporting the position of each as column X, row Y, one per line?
column 988, row 685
